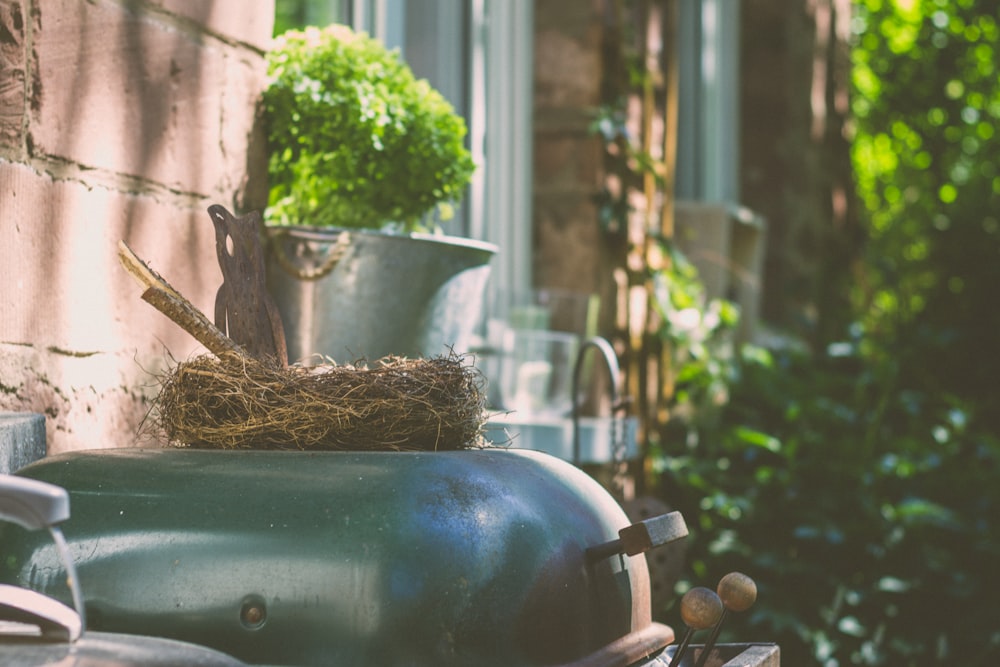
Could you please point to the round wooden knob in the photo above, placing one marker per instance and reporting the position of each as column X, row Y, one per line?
column 701, row 608
column 737, row 591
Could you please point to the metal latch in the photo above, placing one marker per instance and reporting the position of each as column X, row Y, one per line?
column 642, row 536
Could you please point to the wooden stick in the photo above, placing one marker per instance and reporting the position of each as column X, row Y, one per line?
column 172, row 303
column 670, row 79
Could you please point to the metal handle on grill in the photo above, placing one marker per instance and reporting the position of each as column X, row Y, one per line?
column 34, row 505
column 53, row 619
column 642, row 536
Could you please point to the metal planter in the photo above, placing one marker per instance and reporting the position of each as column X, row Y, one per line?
column 362, row 294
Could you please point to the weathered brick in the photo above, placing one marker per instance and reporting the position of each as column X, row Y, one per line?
column 227, row 17
column 138, row 120
column 567, row 163
column 77, row 342
column 580, row 18
column 93, row 402
column 567, row 247
column 123, row 91
column 567, row 72
column 61, row 286
column 12, row 72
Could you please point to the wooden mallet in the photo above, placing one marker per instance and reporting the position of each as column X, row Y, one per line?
column 700, row 608
column 738, row 592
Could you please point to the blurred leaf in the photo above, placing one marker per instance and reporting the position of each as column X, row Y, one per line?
column 851, row 626
column 892, row 585
column 757, row 438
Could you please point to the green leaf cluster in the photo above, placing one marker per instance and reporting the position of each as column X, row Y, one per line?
column 865, row 515
column 857, row 483
column 698, row 333
column 355, row 139
column 926, row 104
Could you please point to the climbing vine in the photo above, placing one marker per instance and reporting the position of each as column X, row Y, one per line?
column 677, row 343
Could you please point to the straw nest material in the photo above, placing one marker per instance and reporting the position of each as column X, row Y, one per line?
column 234, row 402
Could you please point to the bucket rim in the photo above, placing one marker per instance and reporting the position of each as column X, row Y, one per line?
column 329, row 234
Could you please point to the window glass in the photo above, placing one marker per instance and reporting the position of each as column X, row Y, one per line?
column 290, row 14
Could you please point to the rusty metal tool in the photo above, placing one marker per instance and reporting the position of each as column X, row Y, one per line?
column 700, row 608
column 244, row 309
column 738, row 592
column 642, row 536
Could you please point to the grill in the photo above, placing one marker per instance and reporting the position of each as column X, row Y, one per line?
column 483, row 557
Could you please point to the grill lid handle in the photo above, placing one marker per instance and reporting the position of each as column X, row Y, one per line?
column 32, row 504
column 23, row 607
column 642, row 536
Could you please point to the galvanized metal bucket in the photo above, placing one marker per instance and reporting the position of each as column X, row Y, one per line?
column 353, row 294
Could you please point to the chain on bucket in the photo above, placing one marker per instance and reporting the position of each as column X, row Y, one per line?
column 328, row 258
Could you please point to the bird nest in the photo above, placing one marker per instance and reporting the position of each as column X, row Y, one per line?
column 237, row 402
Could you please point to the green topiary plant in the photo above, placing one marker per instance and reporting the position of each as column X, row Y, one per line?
column 355, row 139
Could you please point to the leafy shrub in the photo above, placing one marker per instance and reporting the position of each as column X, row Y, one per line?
column 355, row 139
column 862, row 509
column 858, row 483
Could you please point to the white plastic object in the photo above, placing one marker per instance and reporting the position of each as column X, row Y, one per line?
column 31, row 503
column 55, row 620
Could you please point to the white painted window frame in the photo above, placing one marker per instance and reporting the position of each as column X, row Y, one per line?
column 708, row 143
column 497, row 60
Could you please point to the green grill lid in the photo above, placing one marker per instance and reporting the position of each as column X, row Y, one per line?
column 377, row 558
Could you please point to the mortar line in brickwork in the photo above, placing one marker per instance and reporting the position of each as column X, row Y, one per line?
column 185, row 24
column 58, row 169
column 30, row 75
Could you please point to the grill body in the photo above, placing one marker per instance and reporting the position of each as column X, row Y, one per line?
column 336, row 558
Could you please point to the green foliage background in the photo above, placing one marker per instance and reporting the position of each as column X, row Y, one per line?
column 927, row 105
column 858, row 483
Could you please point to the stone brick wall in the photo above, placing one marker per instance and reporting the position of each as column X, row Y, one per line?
column 119, row 120
column 567, row 156
column 795, row 156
